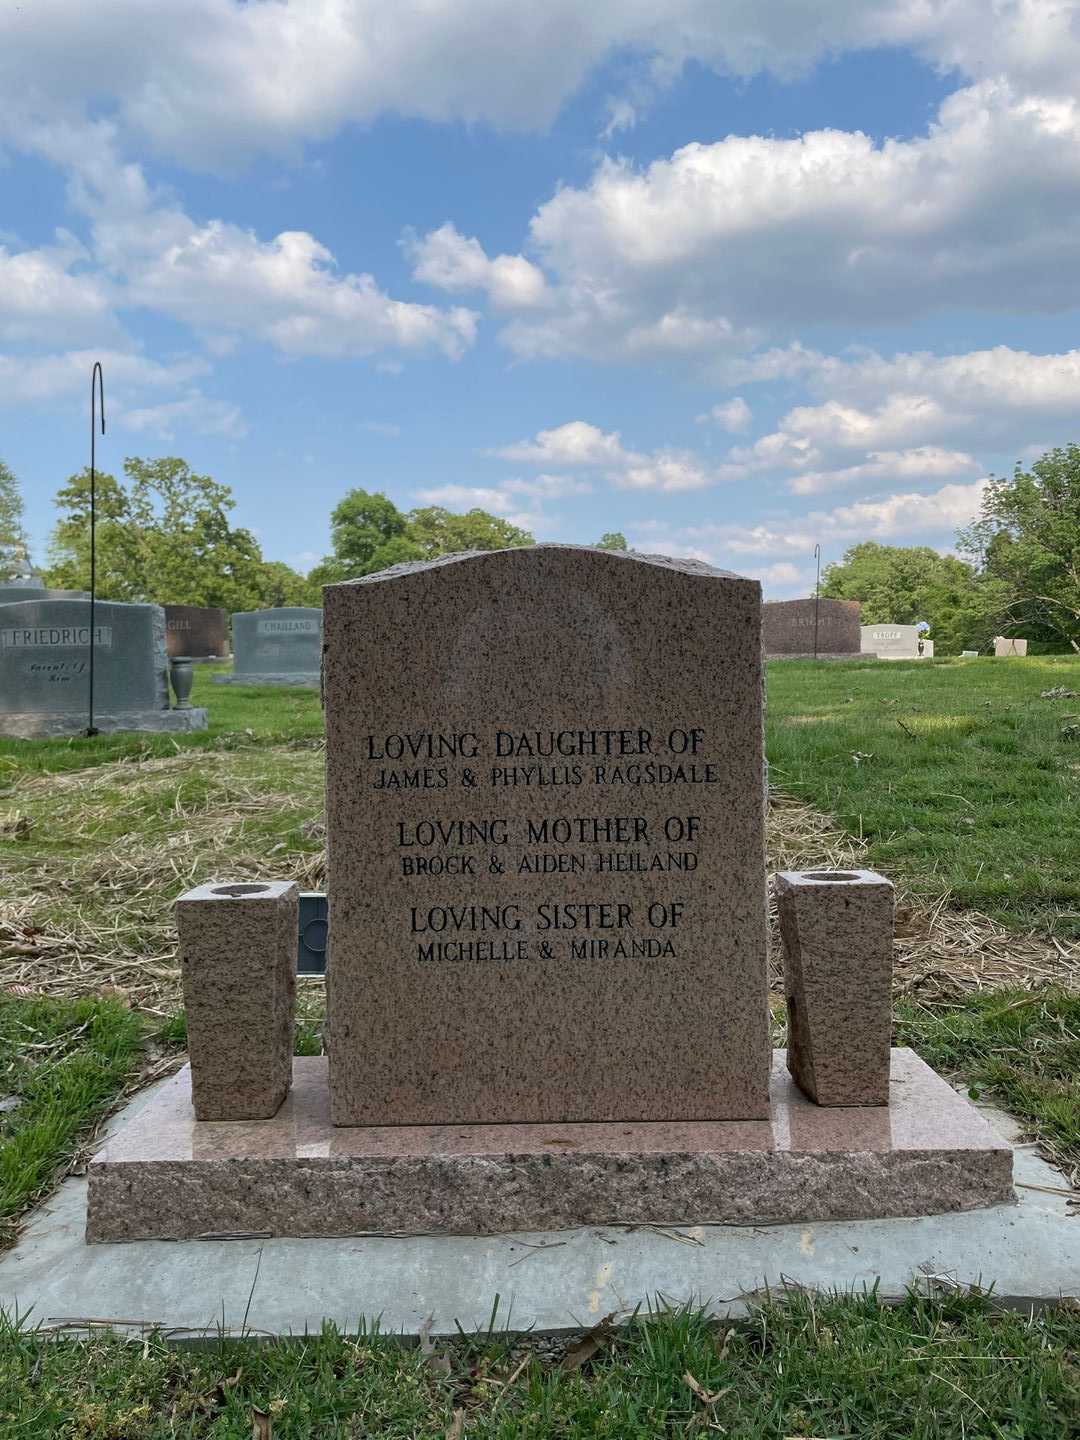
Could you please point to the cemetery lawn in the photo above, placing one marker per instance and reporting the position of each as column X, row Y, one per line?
column 963, row 776
column 799, row 1366
column 62, row 1066
column 962, row 786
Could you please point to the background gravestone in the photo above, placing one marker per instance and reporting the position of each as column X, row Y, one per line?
column 788, row 628
column 45, row 669
column 201, row 632
column 15, row 592
column 545, row 825
column 276, row 647
column 895, row 642
column 1009, row 645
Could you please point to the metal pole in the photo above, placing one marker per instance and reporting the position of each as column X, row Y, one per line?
column 817, row 596
column 97, row 386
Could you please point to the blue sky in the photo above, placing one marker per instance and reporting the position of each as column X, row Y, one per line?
column 732, row 278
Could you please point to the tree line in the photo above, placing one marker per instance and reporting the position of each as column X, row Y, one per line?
column 165, row 534
column 1020, row 574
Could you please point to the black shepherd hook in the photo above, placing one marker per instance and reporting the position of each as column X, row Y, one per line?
column 817, row 596
column 97, row 387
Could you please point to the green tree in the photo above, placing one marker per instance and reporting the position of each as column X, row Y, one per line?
column 440, row 532
column 13, row 547
column 906, row 584
column 280, row 584
column 164, row 536
column 370, row 533
column 612, row 540
column 364, row 528
column 1027, row 541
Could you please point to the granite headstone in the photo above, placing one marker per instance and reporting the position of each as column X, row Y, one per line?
column 1005, row 645
column 788, row 628
column 15, row 594
column 45, row 669
column 276, row 647
column 545, row 826
column 201, row 632
column 896, row 642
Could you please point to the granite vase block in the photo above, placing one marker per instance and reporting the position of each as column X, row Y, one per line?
column 837, row 933
column 238, row 965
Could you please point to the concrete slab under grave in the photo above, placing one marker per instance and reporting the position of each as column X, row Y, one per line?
column 548, row 1281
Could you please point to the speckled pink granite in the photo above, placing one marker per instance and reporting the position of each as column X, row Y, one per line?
column 554, row 729
column 837, row 932
column 238, row 964
column 167, row 1176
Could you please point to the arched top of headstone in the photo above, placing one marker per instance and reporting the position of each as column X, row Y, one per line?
column 536, row 554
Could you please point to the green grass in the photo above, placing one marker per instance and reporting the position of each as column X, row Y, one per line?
column 955, row 771
column 959, row 778
column 1022, row 1047
column 64, row 1063
column 239, row 716
column 955, row 1369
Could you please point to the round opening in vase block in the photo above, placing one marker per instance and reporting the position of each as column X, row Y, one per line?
column 235, row 891
column 835, row 875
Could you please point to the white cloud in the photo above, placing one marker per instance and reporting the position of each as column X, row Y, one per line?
column 927, row 462
column 575, row 443
column 905, row 416
column 580, row 443
column 495, row 499
column 208, row 81
column 450, row 261
column 224, row 281
column 706, row 253
column 385, row 428
column 43, row 299
column 906, row 514
column 670, row 471
column 193, row 413
column 733, row 415
column 41, row 379
column 284, row 291
column 132, row 381
column 770, row 547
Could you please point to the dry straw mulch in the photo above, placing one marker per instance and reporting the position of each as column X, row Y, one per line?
column 92, row 912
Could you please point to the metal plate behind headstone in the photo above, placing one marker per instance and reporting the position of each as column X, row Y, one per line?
column 311, row 951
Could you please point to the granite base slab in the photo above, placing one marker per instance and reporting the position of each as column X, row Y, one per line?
column 29, row 726
column 304, row 679
column 167, row 1176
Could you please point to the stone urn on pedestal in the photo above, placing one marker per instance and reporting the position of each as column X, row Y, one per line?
column 181, row 676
